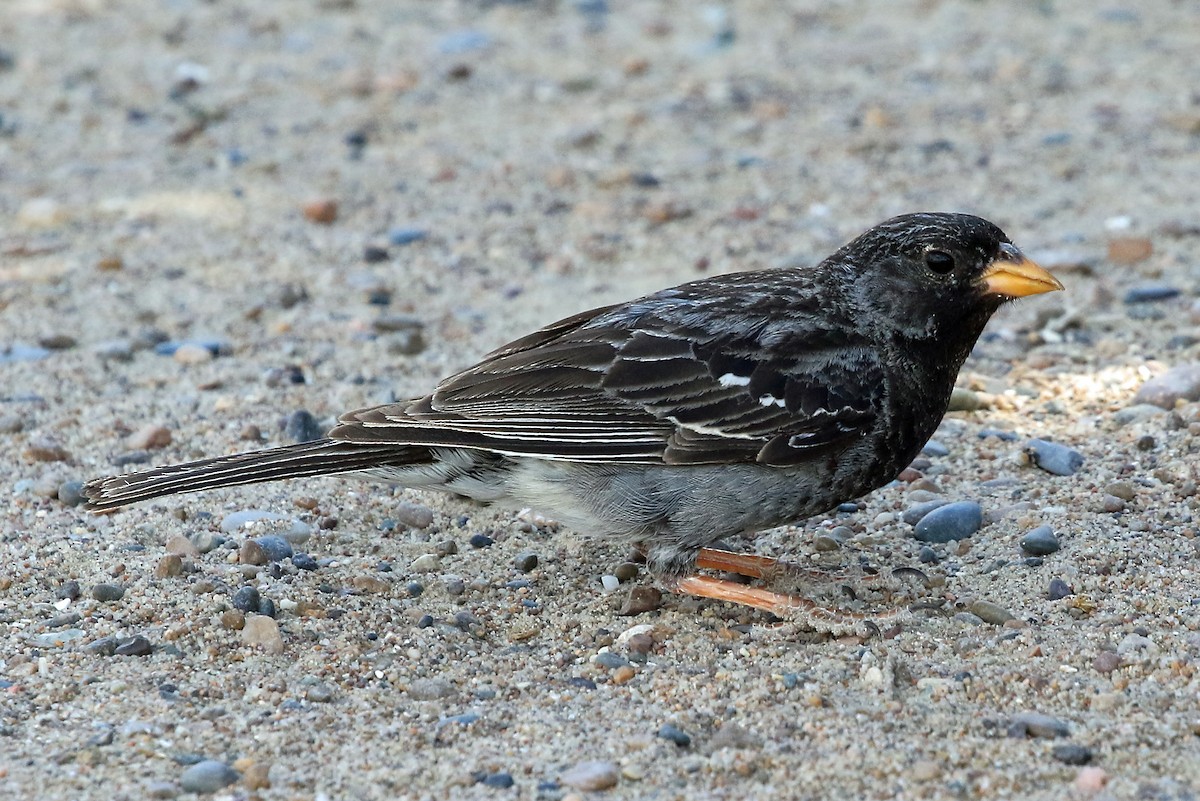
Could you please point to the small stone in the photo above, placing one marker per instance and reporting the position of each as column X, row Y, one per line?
column 133, row 646
column 1058, row 590
column 935, row 449
column 954, row 521
column 1090, row 780
column 675, row 735
column 927, row 555
column 626, row 571
column 303, row 561
column 276, row 548
column 414, row 515
column 1136, row 413
column 149, row 437
column 66, row 619
column 207, row 777
column 1040, row 541
column 1150, row 293
column 69, row 590
column 246, row 599
column 1111, row 503
column 1179, row 382
column 426, row 563
column 501, row 780
column 44, row 450
column 430, row 689
column 192, row 353
column 319, row 693
column 264, row 631
column 41, row 212
column 320, row 210
column 1035, row 724
column 1072, row 753
column 406, row 236
column 1120, row 489
column 251, row 553
column 1129, row 249
column 992, row 613
column 233, row 620
column 915, row 513
column 480, row 541
column 181, row 546
column 70, row 493
column 257, row 776
column 610, row 583
column 826, row 543
column 592, row 776
column 105, row 646
column 372, row 585
column 964, row 400
column 1053, row 457
column 301, row 426
column 1106, row 662
column 108, row 593
column 162, row 791
column 526, row 562
column 641, row 600
column 446, row 548
column 169, row 566
column 611, row 660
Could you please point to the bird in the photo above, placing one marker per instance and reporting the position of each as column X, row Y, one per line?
column 723, row 406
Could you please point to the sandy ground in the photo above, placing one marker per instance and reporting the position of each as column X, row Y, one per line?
column 156, row 159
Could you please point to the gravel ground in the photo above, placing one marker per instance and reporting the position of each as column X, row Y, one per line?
column 214, row 215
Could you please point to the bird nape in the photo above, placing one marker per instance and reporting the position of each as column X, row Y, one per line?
column 719, row 407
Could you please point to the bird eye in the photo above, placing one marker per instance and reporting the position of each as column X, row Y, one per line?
column 939, row 261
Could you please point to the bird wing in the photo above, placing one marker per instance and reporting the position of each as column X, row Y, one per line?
column 652, row 382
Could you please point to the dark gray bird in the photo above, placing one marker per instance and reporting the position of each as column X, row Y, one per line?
column 722, row 406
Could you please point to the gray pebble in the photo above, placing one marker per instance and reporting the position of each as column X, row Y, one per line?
column 526, row 562
column 913, row 514
column 319, row 693
column 480, row 541
column 105, row 646
column 968, row 618
column 304, row 561
column 301, row 426
column 1072, row 753
column 1053, row 457
column 162, row 790
column 954, row 521
column 1035, row 724
column 246, row 599
column 1058, row 590
column 927, row 555
column 414, row 515
column 406, row 236
column 1136, row 413
column 204, row 541
column 207, row 777
column 1149, row 293
column 107, row 593
column 935, row 448
column 675, row 735
column 68, row 590
column 592, row 776
column 56, row 639
column 276, row 548
column 611, row 660
column 1040, row 541
column 118, row 350
column 455, row 586
column 233, row 521
column 992, row 613
column 1182, row 381
column 65, row 619
column 133, row 646
column 71, row 493
column 430, row 689
column 501, row 780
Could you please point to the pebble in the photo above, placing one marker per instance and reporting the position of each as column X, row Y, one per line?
column 41, row 212
column 107, row 593
column 1035, row 724
column 430, row 689
column 626, row 571
column 264, row 631
column 992, row 613
column 526, row 562
column 500, row 780
column 251, row 553
column 56, row 639
column 927, row 555
column 44, row 450
column 162, row 790
column 426, row 563
column 149, row 437
column 301, row 426
column 236, row 520
column 189, row 353
column 641, row 600
column 1129, row 249
column 1181, row 382
column 610, row 583
column 914, row 514
column 246, row 599
column 406, row 236
column 414, row 515
column 1090, row 781
column 446, row 548
column 1149, row 293
column 304, row 561
column 480, row 541
column 169, row 566
column 207, row 777
column 1072, row 753
column 1106, row 662
column 71, row 493
column 105, row 646
column 66, row 619
column 319, row 693
column 592, row 776
column 1120, row 489
column 275, row 547
column 675, row 735
column 1053, row 457
column 935, row 449
column 1136, row 413
column 1040, row 541
column 1111, row 503
column 1058, row 590
column 964, row 400
column 320, row 210
column 133, row 646
column 954, row 521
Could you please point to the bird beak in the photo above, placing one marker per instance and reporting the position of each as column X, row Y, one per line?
column 1011, row 275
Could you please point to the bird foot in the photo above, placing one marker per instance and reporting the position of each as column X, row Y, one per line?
column 785, row 605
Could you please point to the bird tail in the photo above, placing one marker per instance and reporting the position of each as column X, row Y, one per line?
column 316, row 458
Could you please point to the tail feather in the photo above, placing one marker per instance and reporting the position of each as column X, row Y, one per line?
column 320, row 457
